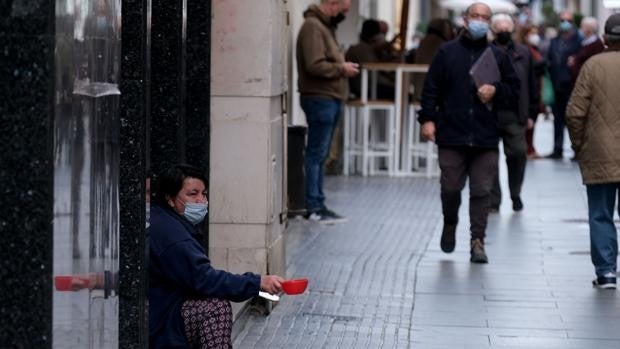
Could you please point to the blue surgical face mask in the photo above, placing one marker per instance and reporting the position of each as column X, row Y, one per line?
column 566, row 26
column 477, row 29
column 195, row 212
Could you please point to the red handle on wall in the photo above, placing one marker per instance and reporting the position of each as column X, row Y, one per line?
column 66, row 283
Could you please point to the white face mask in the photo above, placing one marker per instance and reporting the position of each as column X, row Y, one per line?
column 533, row 39
column 195, row 212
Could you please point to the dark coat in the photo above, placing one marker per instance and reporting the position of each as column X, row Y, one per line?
column 560, row 49
column 365, row 52
column 529, row 95
column 583, row 54
column 179, row 270
column 450, row 100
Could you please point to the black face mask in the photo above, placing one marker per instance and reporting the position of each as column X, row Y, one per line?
column 503, row 38
column 339, row 18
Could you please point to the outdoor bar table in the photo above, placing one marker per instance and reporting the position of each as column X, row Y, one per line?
column 401, row 88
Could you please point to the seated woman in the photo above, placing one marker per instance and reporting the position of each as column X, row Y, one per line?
column 189, row 299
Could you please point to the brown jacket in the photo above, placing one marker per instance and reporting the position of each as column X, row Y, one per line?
column 593, row 119
column 320, row 58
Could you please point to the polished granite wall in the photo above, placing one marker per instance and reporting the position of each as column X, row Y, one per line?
column 164, row 116
column 133, row 279
column 165, row 102
column 180, row 86
column 26, row 63
column 180, row 91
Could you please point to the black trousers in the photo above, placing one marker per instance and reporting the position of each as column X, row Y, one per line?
column 515, row 149
column 457, row 164
column 559, row 120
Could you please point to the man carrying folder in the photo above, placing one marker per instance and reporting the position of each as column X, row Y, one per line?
column 459, row 113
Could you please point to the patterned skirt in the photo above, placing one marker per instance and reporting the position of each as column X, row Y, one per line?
column 208, row 323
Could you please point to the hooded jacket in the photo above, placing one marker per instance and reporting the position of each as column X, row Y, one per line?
column 450, row 100
column 179, row 270
column 593, row 119
column 320, row 58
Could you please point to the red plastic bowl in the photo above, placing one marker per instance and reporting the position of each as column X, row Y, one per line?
column 296, row 286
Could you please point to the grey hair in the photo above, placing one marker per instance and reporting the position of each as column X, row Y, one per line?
column 590, row 22
column 502, row 17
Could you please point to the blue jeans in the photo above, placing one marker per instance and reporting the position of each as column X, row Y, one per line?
column 603, row 234
column 322, row 115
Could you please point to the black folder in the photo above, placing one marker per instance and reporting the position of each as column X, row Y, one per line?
column 485, row 70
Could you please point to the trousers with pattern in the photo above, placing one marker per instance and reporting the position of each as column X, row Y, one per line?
column 208, row 323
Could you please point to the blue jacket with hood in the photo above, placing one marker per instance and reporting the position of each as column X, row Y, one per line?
column 179, row 270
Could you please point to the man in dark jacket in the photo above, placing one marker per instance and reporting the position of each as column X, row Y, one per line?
column 366, row 52
column 565, row 45
column 461, row 118
column 591, row 44
column 513, row 123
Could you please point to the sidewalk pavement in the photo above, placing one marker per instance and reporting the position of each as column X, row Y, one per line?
column 381, row 280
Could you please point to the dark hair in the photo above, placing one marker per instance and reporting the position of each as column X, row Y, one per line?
column 170, row 181
column 370, row 28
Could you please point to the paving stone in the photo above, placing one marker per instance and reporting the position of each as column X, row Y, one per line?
column 381, row 281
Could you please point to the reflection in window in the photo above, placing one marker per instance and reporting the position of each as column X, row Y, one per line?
column 86, row 165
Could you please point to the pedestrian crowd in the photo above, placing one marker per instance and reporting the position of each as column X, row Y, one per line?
column 488, row 81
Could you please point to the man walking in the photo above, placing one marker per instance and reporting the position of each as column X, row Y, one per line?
column 591, row 44
column 513, row 123
column 561, row 48
column 593, row 119
column 322, row 83
column 461, row 118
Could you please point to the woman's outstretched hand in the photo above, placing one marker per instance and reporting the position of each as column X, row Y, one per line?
column 271, row 283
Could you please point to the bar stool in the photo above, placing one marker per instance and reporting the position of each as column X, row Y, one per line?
column 352, row 135
column 363, row 140
column 418, row 150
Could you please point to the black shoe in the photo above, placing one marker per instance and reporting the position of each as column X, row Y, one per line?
column 448, row 237
column 494, row 209
column 607, row 282
column 331, row 217
column 477, row 252
column 554, row 156
column 517, row 204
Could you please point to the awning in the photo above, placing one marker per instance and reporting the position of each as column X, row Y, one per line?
column 611, row 3
column 496, row 6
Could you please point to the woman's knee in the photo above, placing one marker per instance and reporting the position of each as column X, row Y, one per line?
column 223, row 307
